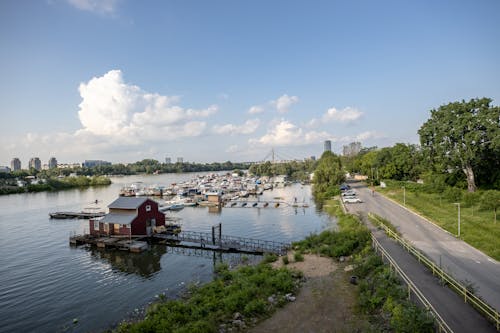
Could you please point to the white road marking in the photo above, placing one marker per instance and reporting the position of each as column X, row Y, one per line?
column 477, row 261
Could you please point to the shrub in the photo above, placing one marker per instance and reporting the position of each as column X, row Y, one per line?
column 285, row 260
column 298, row 256
column 270, row 257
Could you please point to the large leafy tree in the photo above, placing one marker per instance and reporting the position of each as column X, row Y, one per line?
column 458, row 134
column 328, row 174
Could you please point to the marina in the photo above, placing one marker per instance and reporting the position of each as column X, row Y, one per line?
column 47, row 282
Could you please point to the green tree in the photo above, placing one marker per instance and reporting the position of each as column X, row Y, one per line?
column 458, row 134
column 491, row 200
column 328, row 175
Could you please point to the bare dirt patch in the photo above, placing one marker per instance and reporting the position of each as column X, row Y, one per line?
column 325, row 302
column 312, row 266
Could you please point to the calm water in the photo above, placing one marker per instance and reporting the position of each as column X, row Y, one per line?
column 45, row 283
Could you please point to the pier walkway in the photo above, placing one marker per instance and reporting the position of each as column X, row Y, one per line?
column 219, row 242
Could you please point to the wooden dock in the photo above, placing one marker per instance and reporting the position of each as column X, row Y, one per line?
column 213, row 241
column 124, row 244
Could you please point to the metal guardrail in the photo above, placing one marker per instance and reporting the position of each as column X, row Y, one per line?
column 442, row 325
column 488, row 311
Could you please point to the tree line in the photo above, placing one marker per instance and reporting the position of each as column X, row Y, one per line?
column 459, row 147
column 148, row 166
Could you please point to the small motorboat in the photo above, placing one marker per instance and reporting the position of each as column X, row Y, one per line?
column 254, row 204
column 276, row 205
column 243, row 204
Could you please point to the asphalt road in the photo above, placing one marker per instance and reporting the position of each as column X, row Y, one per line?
column 459, row 259
column 460, row 317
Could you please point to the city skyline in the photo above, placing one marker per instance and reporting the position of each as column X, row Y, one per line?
column 123, row 81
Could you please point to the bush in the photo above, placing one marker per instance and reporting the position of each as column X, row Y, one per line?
column 285, row 260
column 270, row 257
column 453, row 194
column 298, row 256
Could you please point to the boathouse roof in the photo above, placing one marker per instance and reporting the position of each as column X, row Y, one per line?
column 118, row 218
column 127, row 203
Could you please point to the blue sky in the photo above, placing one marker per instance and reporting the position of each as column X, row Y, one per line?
column 211, row 81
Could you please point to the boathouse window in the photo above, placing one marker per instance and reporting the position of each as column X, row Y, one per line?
column 96, row 225
column 148, row 208
column 125, row 226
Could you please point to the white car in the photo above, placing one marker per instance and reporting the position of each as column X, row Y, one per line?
column 352, row 200
column 348, row 193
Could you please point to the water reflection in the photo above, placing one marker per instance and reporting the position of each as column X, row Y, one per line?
column 144, row 264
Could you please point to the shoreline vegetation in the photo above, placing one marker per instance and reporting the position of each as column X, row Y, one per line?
column 55, row 184
column 243, row 298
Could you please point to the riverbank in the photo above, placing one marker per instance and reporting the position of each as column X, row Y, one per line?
column 345, row 287
column 55, row 184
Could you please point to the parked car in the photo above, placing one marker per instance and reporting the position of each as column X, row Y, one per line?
column 344, row 187
column 348, row 193
column 352, row 200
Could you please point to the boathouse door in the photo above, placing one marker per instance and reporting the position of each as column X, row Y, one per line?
column 149, row 227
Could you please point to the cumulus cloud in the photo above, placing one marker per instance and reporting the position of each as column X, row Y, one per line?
column 369, row 135
column 97, row 6
column 248, row 127
column 256, row 109
column 122, row 112
column 284, row 102
column 345, row 115
column 285, row 133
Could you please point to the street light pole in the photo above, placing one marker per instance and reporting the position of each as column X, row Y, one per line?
column 458, row 204
column 404, row 196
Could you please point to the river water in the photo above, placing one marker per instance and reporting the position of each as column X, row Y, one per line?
column 45, row 283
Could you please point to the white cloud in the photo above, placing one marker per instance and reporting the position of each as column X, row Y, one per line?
column 284, row 102
column 369, row 135
column 248, row 127
column 232, row 149
column 256, row 109
column 97, row 6
column 346, row 115
column 284, row 133
column 125, row 113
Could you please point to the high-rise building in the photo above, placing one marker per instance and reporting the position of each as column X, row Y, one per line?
column 352, row 149
column 328, row 145
column 168, row 160
column 52, row 163
column 35, row 163
column 180, row 160
column 15, row 164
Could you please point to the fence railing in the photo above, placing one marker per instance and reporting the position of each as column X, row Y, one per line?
column 238, row 243
column 469, row 297
column 441, row 324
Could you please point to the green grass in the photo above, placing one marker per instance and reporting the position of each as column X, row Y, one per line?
column 477, row 226
column 244, row 290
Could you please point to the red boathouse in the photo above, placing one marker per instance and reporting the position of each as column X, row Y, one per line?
column 128, row 217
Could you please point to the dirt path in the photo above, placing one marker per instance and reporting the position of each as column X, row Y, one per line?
column 325, row 302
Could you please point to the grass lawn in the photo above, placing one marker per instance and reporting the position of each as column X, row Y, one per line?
column 477, row 227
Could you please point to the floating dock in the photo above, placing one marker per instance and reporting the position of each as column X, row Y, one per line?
column 132, row 245
column 214, row 241
column 76, row 215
